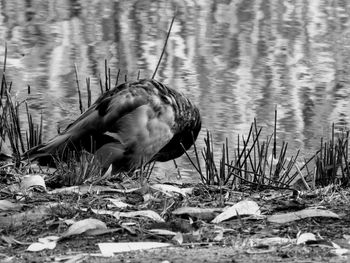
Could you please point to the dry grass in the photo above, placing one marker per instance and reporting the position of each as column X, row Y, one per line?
column 332, row 162
column 255, row 162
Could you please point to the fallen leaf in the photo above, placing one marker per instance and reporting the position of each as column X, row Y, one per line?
column 98, row 231
column 162, row 232
column 4, row 258
column 32, row 180
column 108, row 249
column 70, row 189
column 323, row 243
column 147, row 197
column 205, row 214
column 187, row 190
column 219, row 236
column 118, row 203
column 304, row 237
column 178, row 238
column 305, row 213
column 195, row 210
column 34, row 214
column 37, row 246
column 12, row 189
column 48, row 242
column 83, row 189
column 71, row 259
column 100, row 211
column 128, row 227
column 271, row 241
column 260, row 251
column 169, row 189
column 341, row 251
column 108, row 173
column 121, row 191
column 6, row 205
column 245, row 207
column 11, row 240
column 143, row 213
column 84, row 226
column 69, row 221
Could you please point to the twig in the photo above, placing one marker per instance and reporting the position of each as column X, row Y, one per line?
column 166, row 42
column 79, row 93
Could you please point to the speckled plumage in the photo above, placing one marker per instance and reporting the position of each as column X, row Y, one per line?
column 134, row 123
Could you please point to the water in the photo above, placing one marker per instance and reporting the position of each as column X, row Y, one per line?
column 236, row 59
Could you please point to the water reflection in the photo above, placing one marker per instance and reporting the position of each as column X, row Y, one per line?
column 236, row 59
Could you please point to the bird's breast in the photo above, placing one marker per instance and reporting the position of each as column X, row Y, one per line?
column 146, row 130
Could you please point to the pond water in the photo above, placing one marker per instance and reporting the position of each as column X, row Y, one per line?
column 237, row 60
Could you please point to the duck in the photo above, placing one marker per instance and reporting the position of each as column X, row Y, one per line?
column 133, row 124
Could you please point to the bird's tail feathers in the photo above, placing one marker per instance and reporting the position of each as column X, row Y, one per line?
column 55, row 147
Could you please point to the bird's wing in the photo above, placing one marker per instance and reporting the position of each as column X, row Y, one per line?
column 139, row 121
column 106, row 111
column 139, row 135
column 97, row 120
column 141, row 130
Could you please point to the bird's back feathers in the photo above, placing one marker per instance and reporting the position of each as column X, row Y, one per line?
column 133, row 123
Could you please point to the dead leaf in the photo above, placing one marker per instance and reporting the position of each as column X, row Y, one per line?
column 11, row 240
column 108, row 249
column 245, row 207
column 178, row 238
column 72, row 259
column 147, row 197
column 341, row 251
column 108, row 173
column 6, row 205
column 119, row 204
column 83, row 189
column 260, row 251
column 48, row 242
column 169, row 189
column 305, row 213
column 206, row 214
column 195, row 210
column 84, row 226
column 100, row 211
column 69, row 221
column 128, row 227
column 12, row 189
column 34, row 214
column 33, row 180
column 98, row 231
column 70, row 189
column 187, row 190
column 98, row 189
column 7, row 259
column 219, row 236
column 271, row 241
column 143, row 213
column 304, row 237
column 162, row 232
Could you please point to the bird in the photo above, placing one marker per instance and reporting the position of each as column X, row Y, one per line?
column 135, row 123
